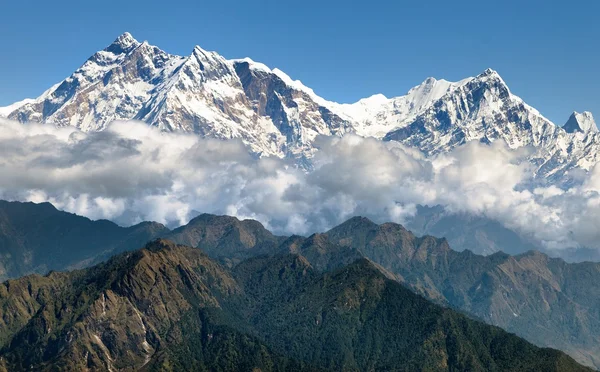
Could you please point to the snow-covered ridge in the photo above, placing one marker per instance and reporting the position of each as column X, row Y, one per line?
column 207, row 94
column 581, row 122
column 485, row 110
column 377, row 115
column 5, row 111
column 295, row 84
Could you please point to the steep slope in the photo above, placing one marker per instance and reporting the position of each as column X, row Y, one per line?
column 113, row 84
column 6, row 110
column 355, row 319
column 485, row 110
column 430, row 267
column 377, row 115
column 205, row 93
column 226, row 238
column 581, row 122
column 547, row 301
column 212, row 96
column 169, row 307
column 465, row 231
column 202, row 93
column 36, row 238
column 156, row 308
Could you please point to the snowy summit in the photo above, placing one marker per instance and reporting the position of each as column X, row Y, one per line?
column 581, row 122
column 275, row 115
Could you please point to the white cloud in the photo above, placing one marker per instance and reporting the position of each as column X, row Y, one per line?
column 131, row 172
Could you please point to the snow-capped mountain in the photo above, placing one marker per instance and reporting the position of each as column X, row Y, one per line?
column 202, row 93
column 212, row 96
column 484, row 109
column 581, row 122
column 377, row 115
column 205, row 93
column 5, row 111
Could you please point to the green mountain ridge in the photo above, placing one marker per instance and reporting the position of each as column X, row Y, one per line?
column 172, row 307
column 37, row 238
column 547, row 301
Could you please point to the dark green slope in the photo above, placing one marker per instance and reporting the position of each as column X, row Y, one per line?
column 356, row 318
column 36, row 238
column 226, row 238
column 170, row 307
column 154, row 309
column 546, row 300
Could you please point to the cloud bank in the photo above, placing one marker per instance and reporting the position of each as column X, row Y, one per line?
column 131, row 172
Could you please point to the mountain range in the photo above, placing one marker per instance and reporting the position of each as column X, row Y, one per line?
column 37, row 238
column 545, row 300
column 207, row 94
column 212, row 96
column 170, row 307
column 221, row 293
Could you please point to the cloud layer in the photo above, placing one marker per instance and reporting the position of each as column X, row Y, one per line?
column 131, row 172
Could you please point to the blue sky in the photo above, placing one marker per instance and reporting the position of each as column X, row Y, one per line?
column 546, row 51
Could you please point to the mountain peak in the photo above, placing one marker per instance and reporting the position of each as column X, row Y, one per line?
column 492, row 79
column 198, row 49
column 208, row 59
column 159, row 245
column 490, row 74
column 358, row 221
column 430, row 80
column 123, row 44
column 253, row 64
column 126, row 39
column 581, row 122
column 202, row 53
